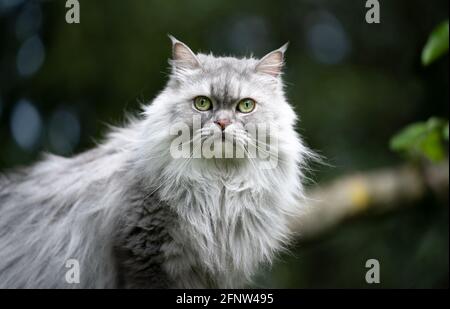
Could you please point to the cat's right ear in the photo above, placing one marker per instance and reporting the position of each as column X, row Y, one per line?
column 272, row 63
column 182, row 56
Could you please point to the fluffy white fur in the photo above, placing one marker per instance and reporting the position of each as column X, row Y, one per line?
column 135, row 217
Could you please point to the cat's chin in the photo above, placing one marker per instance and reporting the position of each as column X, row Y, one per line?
column 225, row 164
column 220, row 147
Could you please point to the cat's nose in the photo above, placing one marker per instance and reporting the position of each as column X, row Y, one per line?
column 222, row 123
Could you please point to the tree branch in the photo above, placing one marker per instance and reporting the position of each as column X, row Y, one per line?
column 380, row 191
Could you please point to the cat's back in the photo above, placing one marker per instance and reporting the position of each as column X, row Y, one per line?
column 51, row 178
column 44, row 216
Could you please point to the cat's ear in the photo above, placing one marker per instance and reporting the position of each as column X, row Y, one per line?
column 273, row 62
column 182, row 55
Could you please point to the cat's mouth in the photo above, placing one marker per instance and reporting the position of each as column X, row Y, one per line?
column 223, row 139
column 228, row 138
column 222, row 136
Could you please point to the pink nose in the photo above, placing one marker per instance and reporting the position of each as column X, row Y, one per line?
column 223, row 123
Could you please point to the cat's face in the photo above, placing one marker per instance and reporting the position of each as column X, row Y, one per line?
column 230, row 98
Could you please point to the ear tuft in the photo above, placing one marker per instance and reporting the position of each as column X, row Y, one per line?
column 273, row 62
column 182, row 55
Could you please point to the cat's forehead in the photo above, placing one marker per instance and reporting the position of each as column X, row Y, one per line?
column 227, row 65
column 226, row 79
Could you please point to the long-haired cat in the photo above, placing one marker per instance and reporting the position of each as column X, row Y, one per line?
column 134, row 216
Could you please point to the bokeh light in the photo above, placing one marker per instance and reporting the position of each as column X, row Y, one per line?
column 249, row 33
column 29, row 20
column 31, row 56
column 26, row 125
column 326, row 38
column 7, row 5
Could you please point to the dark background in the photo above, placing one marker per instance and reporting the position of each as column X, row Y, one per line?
column 353, row 84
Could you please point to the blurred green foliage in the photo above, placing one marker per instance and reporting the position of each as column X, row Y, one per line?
column 422, row 139
column 426, row 139
column 437, row 44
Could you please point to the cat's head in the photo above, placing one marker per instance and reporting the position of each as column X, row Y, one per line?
column 230, row 98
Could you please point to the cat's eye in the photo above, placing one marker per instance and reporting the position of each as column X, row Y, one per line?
column 246, row 106
column 202, row 103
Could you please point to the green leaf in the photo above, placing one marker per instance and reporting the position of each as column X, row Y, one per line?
column 431, row 147
column 437, row 44
column 421, row 139
column 407, row 138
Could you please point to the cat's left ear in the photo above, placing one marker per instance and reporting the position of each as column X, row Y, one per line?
column 182, row 55
column 273, row 62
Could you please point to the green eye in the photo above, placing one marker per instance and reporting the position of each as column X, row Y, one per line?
column 202, row 103
column 246, row 105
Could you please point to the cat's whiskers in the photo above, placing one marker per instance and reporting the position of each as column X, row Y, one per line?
column 254, row 143
column 257, row 144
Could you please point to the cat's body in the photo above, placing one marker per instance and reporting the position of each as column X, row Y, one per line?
column 135, row 217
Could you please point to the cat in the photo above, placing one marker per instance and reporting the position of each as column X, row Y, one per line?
column 133, row 216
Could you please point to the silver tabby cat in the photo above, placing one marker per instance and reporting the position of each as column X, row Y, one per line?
column 134, row 216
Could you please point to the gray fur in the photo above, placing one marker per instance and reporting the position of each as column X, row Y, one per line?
column 137, row 218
